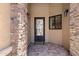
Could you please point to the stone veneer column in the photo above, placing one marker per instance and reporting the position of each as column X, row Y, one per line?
column 22, row 31
column 14, row 28
column 74, row 29
column 19, row 29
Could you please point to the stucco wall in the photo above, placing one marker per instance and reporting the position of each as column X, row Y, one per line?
column 39, row 10
column 46, row 10
column 55, row 36
column 4, row 25
column 65, row 27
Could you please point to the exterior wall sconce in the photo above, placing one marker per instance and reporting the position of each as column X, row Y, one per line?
column 28, row 14
column 66, row 12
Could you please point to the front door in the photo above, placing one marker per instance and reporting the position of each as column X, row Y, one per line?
column 39, row 29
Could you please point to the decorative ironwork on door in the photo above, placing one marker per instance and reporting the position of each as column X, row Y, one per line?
column 39, row 27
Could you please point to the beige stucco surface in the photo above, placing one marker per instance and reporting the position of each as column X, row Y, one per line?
column 4, row 25
column 65, row 30
column 55, row 36
column 39, row 10
column 46, row 10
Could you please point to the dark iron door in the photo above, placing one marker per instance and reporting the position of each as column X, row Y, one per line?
column 39, row 29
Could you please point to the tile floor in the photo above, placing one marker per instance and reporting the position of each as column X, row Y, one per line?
column 48, row 49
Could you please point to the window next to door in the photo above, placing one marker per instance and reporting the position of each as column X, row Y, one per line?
column 55, row 22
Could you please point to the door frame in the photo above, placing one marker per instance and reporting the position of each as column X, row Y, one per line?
column 35, row 18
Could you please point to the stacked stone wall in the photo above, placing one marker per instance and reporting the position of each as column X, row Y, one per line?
column 74, row 29
column 18, row 29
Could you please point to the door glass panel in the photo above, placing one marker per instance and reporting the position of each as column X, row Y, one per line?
column 39, row 27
